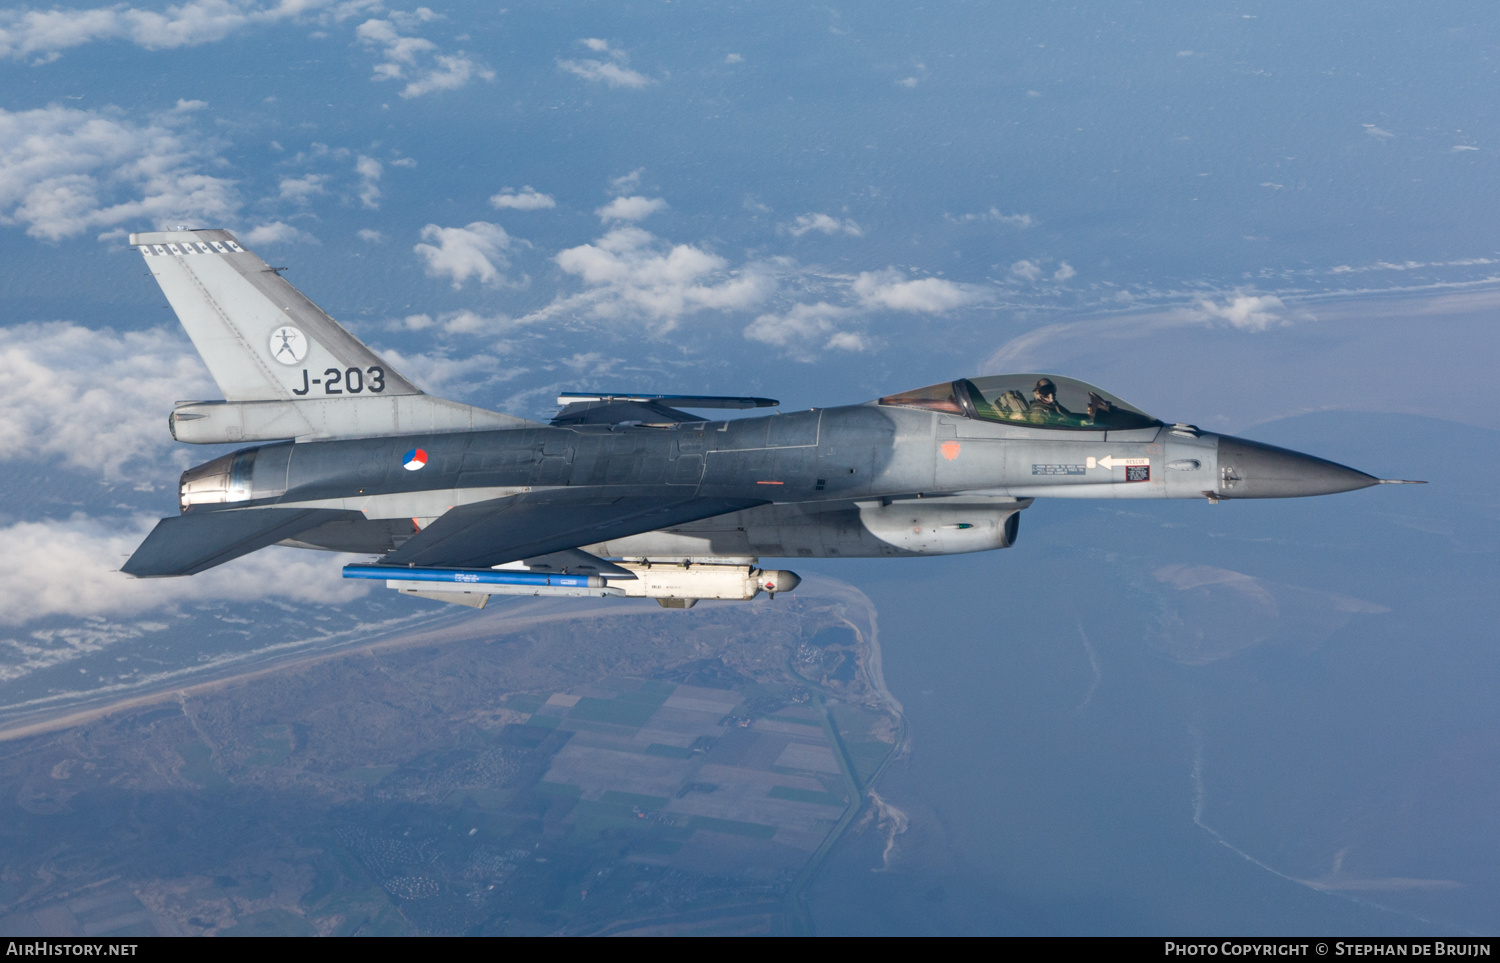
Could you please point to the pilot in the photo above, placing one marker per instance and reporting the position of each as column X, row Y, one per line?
column 1044, row 407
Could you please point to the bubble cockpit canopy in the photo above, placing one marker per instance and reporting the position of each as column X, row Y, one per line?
column 1042, row 401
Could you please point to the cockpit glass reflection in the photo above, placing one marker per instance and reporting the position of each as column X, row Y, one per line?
column 1044, row 401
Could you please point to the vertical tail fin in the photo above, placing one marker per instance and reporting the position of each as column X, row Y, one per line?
column 262, row 339
column 286, row 368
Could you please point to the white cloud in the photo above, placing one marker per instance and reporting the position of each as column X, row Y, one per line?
column 995, row 215
column 889, row 289
column 370, row 236
column 474, row 251
column 527, row 199
column 734, row 58
column 278, row 232
column 369, row 171
column 300, row 190
column 1377, row 132
column 914, row 79
column 451, row 72
column 95, row 398
column 471, row 322
column 824, row 224
column 455, row 322
column 401, row 52
column 1026, row 270
column 64, row 171
column 468, row 374
column 1030, row 270
column 592, row 361
column 44, row 34
column 1248, row 312
column 626, row 183
column 613, row 71
column 69, row 567
column 416, row 59
column 630, row 208
column 610, row 73
column 630, row 273
column 847, row 341
column 802, row 323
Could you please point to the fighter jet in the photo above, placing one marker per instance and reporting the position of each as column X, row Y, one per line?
column 626, row 494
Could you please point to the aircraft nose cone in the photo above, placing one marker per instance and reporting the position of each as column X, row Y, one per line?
column 1248, row 469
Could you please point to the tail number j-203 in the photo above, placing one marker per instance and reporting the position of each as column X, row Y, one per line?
column 353, row 381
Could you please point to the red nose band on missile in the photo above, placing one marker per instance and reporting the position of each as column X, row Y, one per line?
column 469, row 576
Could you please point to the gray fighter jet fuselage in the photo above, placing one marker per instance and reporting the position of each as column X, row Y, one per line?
column 628, row 494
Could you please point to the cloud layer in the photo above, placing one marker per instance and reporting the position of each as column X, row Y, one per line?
column 97, row 400
column 69, row 567
column 45, row 34
column 64, row 171
column 93, row 398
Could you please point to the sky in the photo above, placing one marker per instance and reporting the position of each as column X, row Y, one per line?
column 1229, row 216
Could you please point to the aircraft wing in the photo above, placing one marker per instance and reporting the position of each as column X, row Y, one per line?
column 537, row 523
column 188, row 544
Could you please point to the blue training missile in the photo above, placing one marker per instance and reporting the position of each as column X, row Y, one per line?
column 461, row 576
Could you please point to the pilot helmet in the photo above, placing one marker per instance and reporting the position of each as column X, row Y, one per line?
column 1045, row 387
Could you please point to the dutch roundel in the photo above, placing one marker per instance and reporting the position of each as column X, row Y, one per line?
column 414, row 460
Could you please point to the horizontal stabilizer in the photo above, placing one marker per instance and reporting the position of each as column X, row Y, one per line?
column 536, row 523
column 189, row 544
column 676, row 401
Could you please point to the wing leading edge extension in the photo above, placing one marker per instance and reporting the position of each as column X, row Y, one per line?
column 537, row 523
